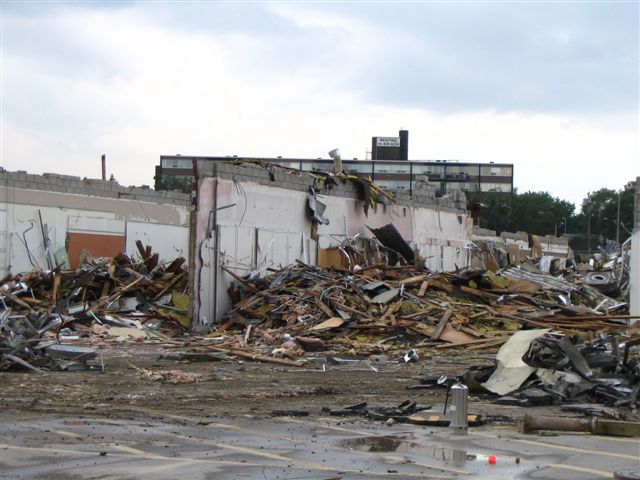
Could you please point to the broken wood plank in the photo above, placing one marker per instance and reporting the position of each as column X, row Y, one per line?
column 169, row 285
column 333, row 322
column 325, row 309
column 441, row 324
column 255, row 356
column 55, row 292
column 244, row 282
column 451, row 335
column 470, row 342
column 16, row 299
column 224, row 326
column 141, row 250
column 176, row 266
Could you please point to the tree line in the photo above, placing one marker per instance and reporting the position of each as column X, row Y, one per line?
column 543, row 214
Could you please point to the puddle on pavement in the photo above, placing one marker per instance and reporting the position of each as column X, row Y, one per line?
column 405, row 445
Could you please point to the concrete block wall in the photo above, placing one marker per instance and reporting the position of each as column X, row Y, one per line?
column 483, row 232
column 54, row 182
column 279, row 177
column 517, row 236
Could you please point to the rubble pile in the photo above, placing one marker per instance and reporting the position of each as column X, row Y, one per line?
column 374, row 308
column 608, row 271
column 105, row 297
column 545, row 368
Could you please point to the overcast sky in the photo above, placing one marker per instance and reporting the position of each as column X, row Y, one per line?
column 552, row 87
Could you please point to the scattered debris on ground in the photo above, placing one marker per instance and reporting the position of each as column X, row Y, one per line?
column 538, row 367
column 107, row 298
column 560, row 340
column 168, row 376
column 379, row 309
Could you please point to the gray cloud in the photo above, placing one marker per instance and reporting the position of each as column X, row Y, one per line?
column 567, row 57
column 546, row 57
column 535, row 57
column 574, row 58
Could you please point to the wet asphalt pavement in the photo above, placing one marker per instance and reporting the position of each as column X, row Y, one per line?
column 51, row 446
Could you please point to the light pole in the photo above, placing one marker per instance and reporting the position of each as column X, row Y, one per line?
column 588, row 208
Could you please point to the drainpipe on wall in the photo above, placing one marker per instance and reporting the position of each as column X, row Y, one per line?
column 216, row 260
column 193, row 286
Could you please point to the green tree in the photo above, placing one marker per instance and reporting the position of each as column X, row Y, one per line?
column 540, row 213
column 602, row 206
column 170, row 182
column 533, row 212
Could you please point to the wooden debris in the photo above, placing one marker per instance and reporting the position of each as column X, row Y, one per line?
column 394, row 307
column 441, row 324
column 333, row 322
column 98, row 289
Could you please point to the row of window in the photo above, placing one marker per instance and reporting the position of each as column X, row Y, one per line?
column 444, row 187
column 364, row 166
column 407, row 168
column 459, row 175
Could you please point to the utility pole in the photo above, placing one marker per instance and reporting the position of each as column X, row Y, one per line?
column 589, row 224
column 618, row 223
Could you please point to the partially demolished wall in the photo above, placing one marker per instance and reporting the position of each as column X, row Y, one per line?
column 251, row 218
column 493, row 251
column 53, row 219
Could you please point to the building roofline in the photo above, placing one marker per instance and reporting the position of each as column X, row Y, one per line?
column 344, row 160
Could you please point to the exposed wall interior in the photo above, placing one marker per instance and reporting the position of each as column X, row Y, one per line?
column 48, row 220
column 250, row 219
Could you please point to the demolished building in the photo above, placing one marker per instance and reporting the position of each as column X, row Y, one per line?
column 55, row 220
column 253, row 217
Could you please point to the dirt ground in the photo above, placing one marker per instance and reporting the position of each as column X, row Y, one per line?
column 122, row 424
column 231, row 388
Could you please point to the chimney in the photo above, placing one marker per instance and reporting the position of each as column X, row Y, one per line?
column 404, row 145
column 337, row 160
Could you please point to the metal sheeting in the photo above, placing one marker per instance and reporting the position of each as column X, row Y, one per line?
column 602, row 301
column 391, row 238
